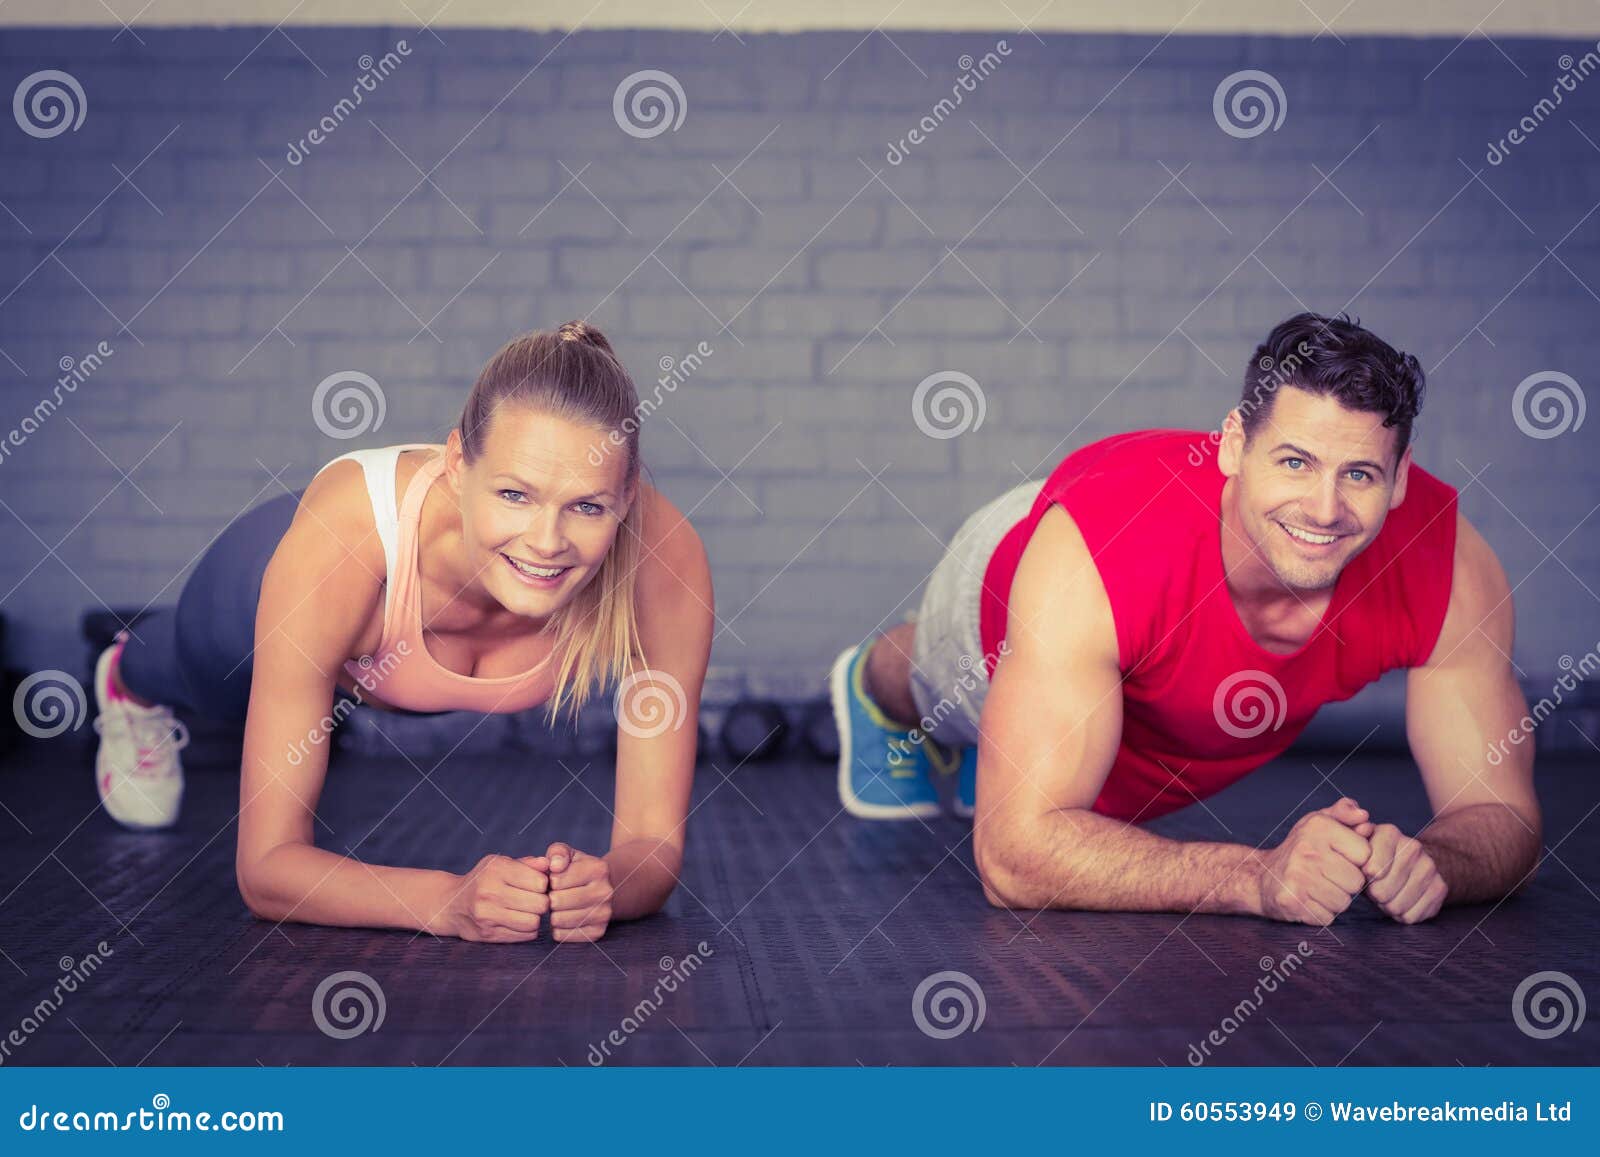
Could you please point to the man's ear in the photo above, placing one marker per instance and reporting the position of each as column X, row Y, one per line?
column 1402, row 475
column 1230, row 451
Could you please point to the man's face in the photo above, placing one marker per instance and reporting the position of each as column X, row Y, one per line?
column 1313, row 485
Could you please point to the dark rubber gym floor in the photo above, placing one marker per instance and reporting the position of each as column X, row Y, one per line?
column 820, row 929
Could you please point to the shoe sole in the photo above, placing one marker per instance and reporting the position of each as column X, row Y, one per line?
column 839, row 688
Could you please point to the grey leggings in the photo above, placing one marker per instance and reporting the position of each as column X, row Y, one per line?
column 199, row 655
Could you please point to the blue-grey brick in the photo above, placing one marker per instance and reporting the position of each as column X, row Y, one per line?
column 802, row 498
column 873, row 270
column 570, row 216
column 821, row 226
column 505, row 86
column 819, row 314
column 679, row 318
column 727, row 267
column 724, row 219
column 811, row 360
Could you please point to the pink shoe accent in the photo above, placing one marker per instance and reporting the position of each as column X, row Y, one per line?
column 116, row 663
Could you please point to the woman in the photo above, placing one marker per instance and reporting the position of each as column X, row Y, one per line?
column 524, row 562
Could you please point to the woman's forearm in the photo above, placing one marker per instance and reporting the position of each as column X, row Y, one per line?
column 643, row 874
column 312, row 886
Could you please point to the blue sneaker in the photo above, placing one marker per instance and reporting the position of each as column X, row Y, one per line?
column 883, row 767
column 962, row 762
column 966, row 801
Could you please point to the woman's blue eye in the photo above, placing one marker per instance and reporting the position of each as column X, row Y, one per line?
column 514, row 493
column 592, row 508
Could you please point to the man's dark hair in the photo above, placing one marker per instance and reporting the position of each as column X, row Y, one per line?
column 1334, row 356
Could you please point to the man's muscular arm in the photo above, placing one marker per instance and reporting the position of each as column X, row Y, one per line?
column 1051, row 726
column 1463, row 713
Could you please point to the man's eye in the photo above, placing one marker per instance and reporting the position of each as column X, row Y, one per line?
column 1359, row 475
column 1294, row 463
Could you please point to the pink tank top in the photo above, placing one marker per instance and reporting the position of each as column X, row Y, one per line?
column 402, row 672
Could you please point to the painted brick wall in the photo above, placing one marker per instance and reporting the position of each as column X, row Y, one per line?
column 1079, row 235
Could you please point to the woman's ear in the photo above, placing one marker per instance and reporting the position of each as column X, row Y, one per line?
column 454, row 460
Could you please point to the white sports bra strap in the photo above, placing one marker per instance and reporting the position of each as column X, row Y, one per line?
column 378, row 468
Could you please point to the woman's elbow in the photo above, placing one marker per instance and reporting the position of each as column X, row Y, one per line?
column 260, row 907
column 650, row 890
column 258, row 895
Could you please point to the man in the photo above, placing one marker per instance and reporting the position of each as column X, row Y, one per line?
column 1165, row 613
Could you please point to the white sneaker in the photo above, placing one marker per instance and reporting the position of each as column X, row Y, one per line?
column 136, row 770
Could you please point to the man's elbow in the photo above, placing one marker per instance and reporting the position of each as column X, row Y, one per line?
column 1003, row 885
column 1528, row 870
column 1000, row 899
column 1530, row 827
column 1517, row 878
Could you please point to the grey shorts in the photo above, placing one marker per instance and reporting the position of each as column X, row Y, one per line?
column 949, row 678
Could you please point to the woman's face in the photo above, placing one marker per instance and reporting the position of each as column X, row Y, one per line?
column 537, row 514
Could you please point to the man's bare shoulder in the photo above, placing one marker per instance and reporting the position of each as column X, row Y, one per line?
column 1480, row 597
column 1058, row 600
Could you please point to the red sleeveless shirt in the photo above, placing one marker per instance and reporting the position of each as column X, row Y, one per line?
column 1203, row 703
